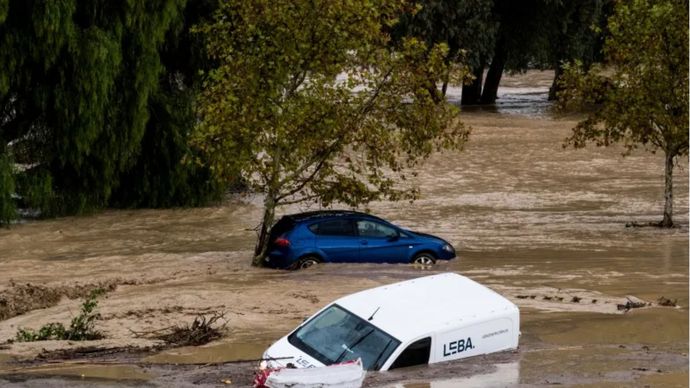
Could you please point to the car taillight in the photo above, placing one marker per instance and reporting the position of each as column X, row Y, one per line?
column 282, row 242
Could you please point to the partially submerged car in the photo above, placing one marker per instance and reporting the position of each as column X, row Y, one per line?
column 425, row 320
column 338, row 236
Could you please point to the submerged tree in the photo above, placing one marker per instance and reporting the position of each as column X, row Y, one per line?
column 310, row 103
column 640, row 97
column 466, row 26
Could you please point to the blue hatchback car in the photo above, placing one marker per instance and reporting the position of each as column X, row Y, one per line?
column 304, row 239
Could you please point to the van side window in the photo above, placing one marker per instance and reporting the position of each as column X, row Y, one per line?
column 415, row 354
column 333, row 228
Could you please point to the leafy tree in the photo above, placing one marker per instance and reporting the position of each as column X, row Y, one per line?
column 574, row 33
column 84, row 85
column 310, row 103
column 641, row 95
column 160, row 176
column 541, row 34
column 466, row 26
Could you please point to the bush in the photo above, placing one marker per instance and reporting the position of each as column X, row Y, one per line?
column 80, row 329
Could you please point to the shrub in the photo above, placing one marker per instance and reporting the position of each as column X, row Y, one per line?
column 80, row 329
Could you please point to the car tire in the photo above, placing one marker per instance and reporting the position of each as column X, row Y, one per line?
column 424, row 258
column 306, row 262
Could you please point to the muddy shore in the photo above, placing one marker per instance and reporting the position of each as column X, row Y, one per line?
column 542, row 225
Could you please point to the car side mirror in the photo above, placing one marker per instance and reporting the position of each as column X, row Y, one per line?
column 394, row 237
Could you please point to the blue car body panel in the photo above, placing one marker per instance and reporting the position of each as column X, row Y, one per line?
column 348, row 237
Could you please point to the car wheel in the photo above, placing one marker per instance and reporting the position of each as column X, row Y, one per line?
column 424, row 259
column 306, row 262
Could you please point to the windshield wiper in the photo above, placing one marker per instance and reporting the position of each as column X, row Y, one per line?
column 353, row 345
column 376, row 362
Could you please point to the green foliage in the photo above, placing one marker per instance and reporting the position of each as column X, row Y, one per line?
column 80, row 329
column 79, row 82
column 310, row 103
column 50, row 331
column 640, row 96
column 468, row 27
column 7, row 204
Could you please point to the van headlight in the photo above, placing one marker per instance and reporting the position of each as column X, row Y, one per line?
column 448, row 248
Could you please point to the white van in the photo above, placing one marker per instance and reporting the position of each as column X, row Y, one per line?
column 425, row 320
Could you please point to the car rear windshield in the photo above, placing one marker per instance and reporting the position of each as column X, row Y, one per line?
column 336, row 335
column 284, row 225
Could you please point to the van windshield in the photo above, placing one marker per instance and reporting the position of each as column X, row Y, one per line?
column 336, row 335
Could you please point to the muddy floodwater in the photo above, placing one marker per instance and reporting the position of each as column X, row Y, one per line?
column 543, row 225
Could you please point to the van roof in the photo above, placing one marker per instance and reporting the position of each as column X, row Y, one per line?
column 414, row 308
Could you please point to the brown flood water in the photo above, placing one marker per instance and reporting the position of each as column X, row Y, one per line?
column 538, row 223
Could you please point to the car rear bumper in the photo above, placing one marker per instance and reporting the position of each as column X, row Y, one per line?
column 278, row 259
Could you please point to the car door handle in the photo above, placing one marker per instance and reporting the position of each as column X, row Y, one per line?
column 364, row 242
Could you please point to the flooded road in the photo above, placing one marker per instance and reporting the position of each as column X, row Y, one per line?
column 542, row 225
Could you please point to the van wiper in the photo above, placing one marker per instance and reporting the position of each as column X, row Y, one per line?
column 349, row 349
column 376, row 362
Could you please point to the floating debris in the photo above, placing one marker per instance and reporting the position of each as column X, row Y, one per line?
column 667, row 302
column 632, row 303
column 576, row 299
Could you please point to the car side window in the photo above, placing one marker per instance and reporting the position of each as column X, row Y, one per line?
column 374, row 229
column 333, row 228
column 415, row 354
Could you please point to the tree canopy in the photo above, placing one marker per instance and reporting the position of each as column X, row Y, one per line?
column 309, row 102
column 79, row 82
column 506, row 35
column 639, row 95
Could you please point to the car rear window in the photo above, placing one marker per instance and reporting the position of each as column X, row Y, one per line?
column 333, row 228
column 284, row 225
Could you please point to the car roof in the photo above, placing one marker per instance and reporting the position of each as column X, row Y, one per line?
column 414, row 308
column 306, row 216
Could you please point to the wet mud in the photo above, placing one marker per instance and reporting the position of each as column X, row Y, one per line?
column 543, row 225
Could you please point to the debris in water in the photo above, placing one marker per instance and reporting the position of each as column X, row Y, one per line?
column 576, row 299
column 632, row 303
column 522, row 296
column 202, row 331
column 594, row 301
column 667, row 302
column 547, row 298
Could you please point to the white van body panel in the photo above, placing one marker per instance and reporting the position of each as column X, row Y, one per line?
column 447, row 307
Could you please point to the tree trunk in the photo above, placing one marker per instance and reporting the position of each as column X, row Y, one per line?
column 556, row 86
column 667, row 222
column 471, row 93
column 262, row 243
column 493, row 76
